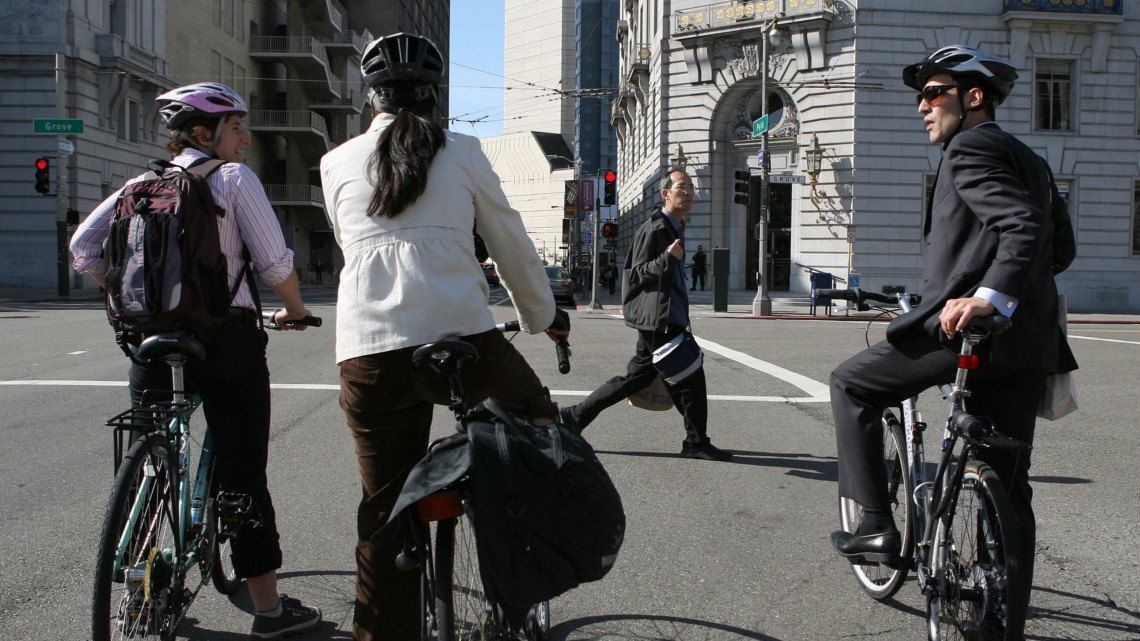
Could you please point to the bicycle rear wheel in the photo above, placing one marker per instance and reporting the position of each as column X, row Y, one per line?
column 970, row 576
column 134, row 590
column 222, row 572
column 463, row 611
column 878, row 580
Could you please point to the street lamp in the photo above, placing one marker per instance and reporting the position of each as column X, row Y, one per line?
column 814, row 158
column 762, row 304
column 680, row 162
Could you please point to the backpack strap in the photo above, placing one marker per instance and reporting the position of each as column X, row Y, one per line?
column 204, row 168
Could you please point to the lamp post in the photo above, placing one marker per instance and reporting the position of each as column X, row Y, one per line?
column 762, row 304
column 680, row 162
column 814, row 158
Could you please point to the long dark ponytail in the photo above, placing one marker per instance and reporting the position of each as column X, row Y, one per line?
column 399, row 165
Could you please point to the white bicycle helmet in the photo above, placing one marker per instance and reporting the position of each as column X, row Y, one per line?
column 990, row 71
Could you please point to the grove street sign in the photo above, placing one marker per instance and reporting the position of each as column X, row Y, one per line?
column 58, row 126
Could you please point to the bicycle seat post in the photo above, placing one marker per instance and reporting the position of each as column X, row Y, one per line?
column 178, row 376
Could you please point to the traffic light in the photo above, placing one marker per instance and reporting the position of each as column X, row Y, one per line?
column 43, row 176
column 610, row 188
column 609, row 230
column 742, row 187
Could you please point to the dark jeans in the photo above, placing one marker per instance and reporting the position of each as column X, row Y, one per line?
column 884, row 374
column 699, row 275
column 690, row 396
column 388, row 406
column 234, row 383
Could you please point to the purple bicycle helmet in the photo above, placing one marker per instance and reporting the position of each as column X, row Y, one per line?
column 180, row 105
column 958, row 60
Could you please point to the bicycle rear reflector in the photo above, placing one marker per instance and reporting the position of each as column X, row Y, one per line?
column 438, row 507
column 970, row 361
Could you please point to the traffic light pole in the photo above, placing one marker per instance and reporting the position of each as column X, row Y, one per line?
column 594, row 304
column 762, row 305
column 61, row 197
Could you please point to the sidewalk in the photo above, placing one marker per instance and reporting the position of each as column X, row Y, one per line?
column 785, row 305
column 795, row 306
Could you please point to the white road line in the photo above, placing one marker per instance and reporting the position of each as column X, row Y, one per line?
column 1104, row 340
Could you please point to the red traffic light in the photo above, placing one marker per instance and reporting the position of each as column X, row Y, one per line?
column 610, row 176
column 609, row 230
column 43, row 176
column 609, row 190
column 41, row 163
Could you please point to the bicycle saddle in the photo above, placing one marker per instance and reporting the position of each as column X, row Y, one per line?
column 174, row 343
column 444, row 356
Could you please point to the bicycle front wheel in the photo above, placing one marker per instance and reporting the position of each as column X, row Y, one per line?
column 970, row 578
column 134, row 593
column 463, row 611
column 878, row 580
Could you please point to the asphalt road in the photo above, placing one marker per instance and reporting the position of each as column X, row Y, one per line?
column 713, row 550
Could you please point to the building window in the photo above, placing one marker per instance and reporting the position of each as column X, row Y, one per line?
column 1053, row 95
column 129, row 121
column 1136, row 219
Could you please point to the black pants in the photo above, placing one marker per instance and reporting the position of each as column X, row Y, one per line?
column 690, row 396
column 885, row 374
column 699, row 275
column 234, row 383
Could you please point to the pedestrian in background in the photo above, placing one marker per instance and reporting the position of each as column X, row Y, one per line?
column 656, row 304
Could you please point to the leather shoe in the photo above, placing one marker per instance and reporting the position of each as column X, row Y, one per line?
column 879, row 547
column 705, row 451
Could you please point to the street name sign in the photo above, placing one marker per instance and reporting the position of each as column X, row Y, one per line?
column 59, row 126
column 66, row 146
column 787, row 178
column 759, row 126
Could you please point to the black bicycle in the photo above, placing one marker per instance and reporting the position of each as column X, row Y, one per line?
column 956, row 529
column 165, row 534
column 441, row 541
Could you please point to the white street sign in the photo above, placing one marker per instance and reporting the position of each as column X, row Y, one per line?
column 788, row 178
column 66, row 146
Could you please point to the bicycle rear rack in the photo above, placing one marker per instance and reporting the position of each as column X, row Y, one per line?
column 137, row 421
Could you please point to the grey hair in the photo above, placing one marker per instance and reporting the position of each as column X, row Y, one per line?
column 667, row 181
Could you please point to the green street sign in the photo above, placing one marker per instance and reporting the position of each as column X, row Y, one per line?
column 58, row 126
column 759, row 126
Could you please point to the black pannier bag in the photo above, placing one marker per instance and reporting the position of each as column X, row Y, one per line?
column 547, row 517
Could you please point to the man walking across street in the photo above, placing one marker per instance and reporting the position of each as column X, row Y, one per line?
column 656, row 304
column 988, row 247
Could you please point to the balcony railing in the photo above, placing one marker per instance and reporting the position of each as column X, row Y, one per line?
column 288, row 44
column 295, row 194
column 1098, row 7
column 288, row 120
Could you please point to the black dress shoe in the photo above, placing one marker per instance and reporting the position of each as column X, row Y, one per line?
column 705, row 451
column 879, row 547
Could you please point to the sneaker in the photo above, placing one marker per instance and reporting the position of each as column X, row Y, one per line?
column 566, row 416
column 294, row 619
column 706, row 451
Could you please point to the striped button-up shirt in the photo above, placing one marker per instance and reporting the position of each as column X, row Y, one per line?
column 249, row 220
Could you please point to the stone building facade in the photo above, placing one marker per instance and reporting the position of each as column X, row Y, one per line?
column 690, row 89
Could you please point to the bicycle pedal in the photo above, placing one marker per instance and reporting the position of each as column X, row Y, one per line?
column 232, row 504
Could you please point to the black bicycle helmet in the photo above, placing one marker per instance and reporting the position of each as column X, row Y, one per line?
column 401, row 57
column 990, row 71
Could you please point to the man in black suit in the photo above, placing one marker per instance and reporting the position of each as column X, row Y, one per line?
column 988, row 247
column 656, row 304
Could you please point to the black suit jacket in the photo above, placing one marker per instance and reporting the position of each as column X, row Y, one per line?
column 990, row 225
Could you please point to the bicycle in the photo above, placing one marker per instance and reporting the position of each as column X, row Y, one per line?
column 454, row 604
column 161, row 524
column 957, row 528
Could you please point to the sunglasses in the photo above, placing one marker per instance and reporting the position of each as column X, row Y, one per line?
column 931, row 93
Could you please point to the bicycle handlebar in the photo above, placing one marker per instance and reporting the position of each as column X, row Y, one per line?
column 561, row 346
column 308, row 321
column 861, row 296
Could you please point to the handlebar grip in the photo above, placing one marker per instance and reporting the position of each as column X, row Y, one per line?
column 509, row 326
column 308, row 321
column 562, row 349
column 844, row 294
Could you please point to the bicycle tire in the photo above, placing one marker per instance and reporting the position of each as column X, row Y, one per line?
column 141, row 598
column 970, row 578
column 878, row 580
column 463, row 611
column 222, row 572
